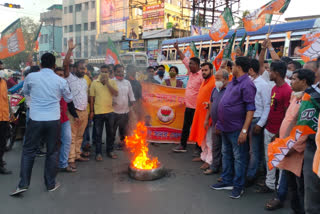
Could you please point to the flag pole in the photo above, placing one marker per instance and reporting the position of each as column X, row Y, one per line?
column 275, row 24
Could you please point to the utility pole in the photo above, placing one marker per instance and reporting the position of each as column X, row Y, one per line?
column 194, row 12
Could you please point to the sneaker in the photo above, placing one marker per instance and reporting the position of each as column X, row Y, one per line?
column 179, row 149
column 18, row 191
column 236, row 193
column 221, row 186
column 55, row 187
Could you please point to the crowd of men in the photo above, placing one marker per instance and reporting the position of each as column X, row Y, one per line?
column 232, row 115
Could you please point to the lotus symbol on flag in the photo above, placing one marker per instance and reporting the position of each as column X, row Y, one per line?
column 165, row 114
column 109, row 60
column 187, row 54
column 216, row 26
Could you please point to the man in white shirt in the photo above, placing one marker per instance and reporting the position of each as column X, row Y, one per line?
column 262, row 103
column 46, row 90
column 121, row 104
column 79, row 89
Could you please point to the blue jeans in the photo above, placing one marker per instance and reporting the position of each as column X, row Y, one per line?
column 283, row 186
column 49, row 132
column 65, row 138
column 255, row 142
column 108, row 120
column 234, row 160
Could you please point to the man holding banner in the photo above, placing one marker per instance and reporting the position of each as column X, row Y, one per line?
column 192, row 90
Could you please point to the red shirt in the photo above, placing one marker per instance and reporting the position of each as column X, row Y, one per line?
column 63, row 111
column 280, row 100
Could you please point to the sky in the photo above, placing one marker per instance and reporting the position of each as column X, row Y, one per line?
column 33, row 8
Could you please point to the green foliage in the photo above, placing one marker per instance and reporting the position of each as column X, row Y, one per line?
column 29, row 29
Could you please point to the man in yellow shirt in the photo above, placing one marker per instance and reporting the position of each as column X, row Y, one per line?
column 101, row 110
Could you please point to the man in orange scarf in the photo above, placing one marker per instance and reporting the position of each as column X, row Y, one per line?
column 198, row 131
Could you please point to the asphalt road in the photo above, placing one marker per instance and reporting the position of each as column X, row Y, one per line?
column 105, row 187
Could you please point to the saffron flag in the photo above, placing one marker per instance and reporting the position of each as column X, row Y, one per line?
column 311, row 52
column 163, row 112
column 259, row 17
column 225, row 53
column 316, row 159
column 112, row 56
column 191, row 51
column 218, row 60
column 309, row 38
column 12, row 41
column 221, row 27
column 37, row 38
column 307, row 124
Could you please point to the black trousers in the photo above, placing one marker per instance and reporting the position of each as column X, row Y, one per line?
column 121, row 122
column 48, row 131
column 4, row 129
column 100, row 120
column 187, row 122
column 311, row 180
column 296, row 192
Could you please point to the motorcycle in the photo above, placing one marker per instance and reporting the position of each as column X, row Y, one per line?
column 17, row 118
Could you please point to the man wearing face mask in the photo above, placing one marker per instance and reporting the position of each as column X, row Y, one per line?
column 235, row 113
column 222, row 79
column 121, row 104
column 160, row 73
column 79, row 89
column 200, row 134
column 192, row 90
column 101, row 111
column 173, row 82
column 4, row 119
column 262, row 103
column 292, row 66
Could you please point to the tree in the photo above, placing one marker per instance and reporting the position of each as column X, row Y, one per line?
column 240, row 22
column 29, row 29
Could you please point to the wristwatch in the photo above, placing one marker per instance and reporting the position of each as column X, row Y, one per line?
column 244, row 131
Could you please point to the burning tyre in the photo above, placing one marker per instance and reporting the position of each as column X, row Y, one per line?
column 142, row 167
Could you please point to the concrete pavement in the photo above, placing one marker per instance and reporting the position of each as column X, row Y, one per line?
column 104, row 187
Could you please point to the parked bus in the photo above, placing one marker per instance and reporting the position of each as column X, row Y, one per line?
column 288, row 35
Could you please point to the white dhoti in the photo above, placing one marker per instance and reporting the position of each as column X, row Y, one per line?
column 206, row 146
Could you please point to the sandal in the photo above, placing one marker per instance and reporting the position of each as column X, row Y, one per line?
column 263, row 189
column 273, row 204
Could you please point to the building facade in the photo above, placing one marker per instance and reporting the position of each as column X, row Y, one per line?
column 51, row 30
column 79, row 24
column 129, row 23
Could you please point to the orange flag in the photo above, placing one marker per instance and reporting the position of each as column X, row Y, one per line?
column 316, row 159
column 12, row 41
column 311, row 52
column 306, row 124
column 221, row 27
column 258, row 18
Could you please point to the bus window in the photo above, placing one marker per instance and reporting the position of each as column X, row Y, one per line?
column 127, row 59
column 141, row 60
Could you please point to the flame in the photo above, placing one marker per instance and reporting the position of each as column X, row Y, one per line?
column 138, row 146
